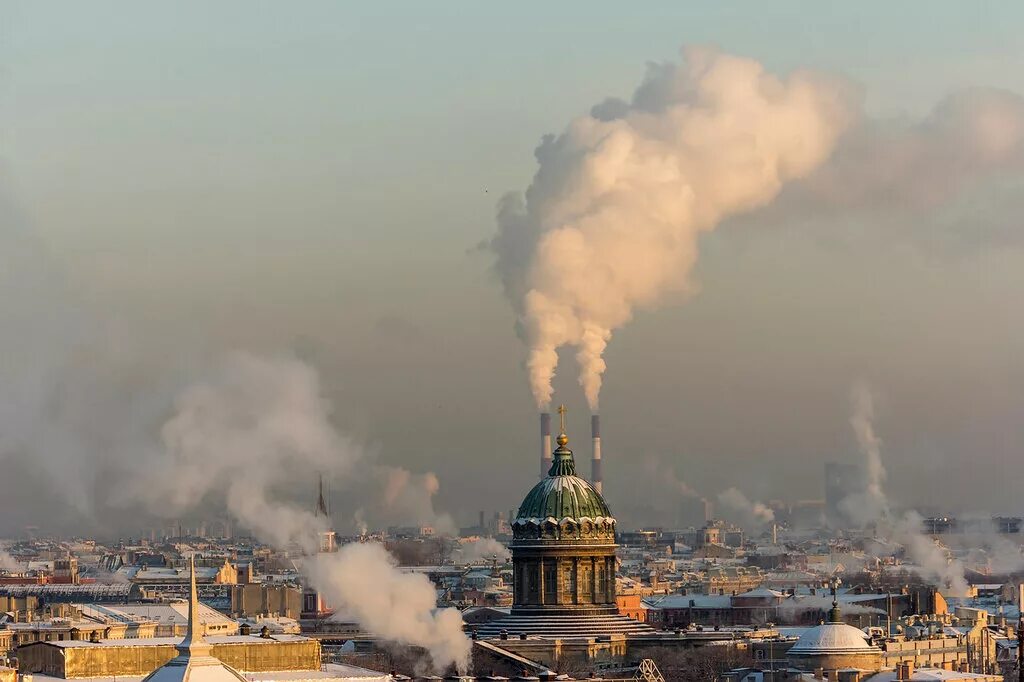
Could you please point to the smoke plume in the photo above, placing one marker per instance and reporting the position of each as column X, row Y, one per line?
column 111, row 433
column 755, row 512
column 870, row 504
column 482, row 550
column 255, row 426
column 405, row 495
column 363, row 580
column 9, row 563
column 931, row 561
column 611, row 220
column 890, row 167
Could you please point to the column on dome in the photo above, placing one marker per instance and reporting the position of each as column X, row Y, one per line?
column 585, row 565
column 567, row 589
column 540, row 581
column 576, row 580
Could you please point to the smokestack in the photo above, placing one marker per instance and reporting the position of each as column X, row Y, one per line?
column 545, row 443
column 595, row 462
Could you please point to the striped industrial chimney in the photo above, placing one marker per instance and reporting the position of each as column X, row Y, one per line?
column 545, row 443
column 595, row 462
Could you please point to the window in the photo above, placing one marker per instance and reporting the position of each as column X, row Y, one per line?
column 550, row 582
column 600, row 581
column 533, row 583
column 568, row 582
column 586, row 582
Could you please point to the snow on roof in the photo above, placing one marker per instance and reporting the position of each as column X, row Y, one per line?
column 175, row 612
column 830, row 638
column 329, row 672
column 928, row 674
column 700, row 601
column 170, row 641
column 761, row 592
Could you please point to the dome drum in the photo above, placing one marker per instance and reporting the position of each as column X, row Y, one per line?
column 563, row 559
column 563, row 546
column 834, row 645
column 600, row 529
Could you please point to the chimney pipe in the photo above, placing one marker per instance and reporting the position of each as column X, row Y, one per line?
column 545, row 443
column 595, row 462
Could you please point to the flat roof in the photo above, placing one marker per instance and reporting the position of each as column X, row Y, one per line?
column 173, row 641
column 331, row 671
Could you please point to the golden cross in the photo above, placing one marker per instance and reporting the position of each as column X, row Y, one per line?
column 561, row 417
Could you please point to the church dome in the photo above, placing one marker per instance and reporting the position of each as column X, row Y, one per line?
column 832, row 638
column 563, row 506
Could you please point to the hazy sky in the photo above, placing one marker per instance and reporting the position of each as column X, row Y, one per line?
column 316, row 176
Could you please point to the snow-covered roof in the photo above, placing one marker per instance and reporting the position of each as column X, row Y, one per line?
column 832, row 638
column 762, row 592
column 923, row 674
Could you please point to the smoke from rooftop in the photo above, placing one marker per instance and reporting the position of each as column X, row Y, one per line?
column 244, row 435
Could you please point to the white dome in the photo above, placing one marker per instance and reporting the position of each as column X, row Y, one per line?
column 832, row 638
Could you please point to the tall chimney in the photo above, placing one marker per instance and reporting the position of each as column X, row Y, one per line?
column 545, row 443
column 595, row 462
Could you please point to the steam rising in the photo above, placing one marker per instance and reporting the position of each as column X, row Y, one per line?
column 245, row 436
column 612, row 218
column 482, row 550
column 872, row 506
column 757, row 512
column 892, row 166
column 9, row 563
column 258, row 423
column 363, row 580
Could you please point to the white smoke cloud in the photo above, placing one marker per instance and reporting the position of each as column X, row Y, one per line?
column 871, row 506
column 9, row 563
column 364, row 582
column 406, row 495
column 259, row 425
column 108, row 432
column 756, row 512
column 482, row 550
column 253, row 425
column 933, row 562
column 891, row 166
column 612, row 218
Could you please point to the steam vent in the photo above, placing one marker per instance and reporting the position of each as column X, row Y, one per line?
column 563, row 556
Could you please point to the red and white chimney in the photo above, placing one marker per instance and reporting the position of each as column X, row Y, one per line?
column 595, row 460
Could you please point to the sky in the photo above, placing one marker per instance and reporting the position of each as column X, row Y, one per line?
column 317, row 180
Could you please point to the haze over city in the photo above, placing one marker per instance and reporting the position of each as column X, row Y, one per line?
column 370, row 341
column 324, row 184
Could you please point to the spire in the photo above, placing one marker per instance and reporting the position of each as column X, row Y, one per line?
column 562, row 438
column 562, row 462
column 193, row 644
column 321, row 504
column 833, row 614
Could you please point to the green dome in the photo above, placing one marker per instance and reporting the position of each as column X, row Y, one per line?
column 564, row 495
